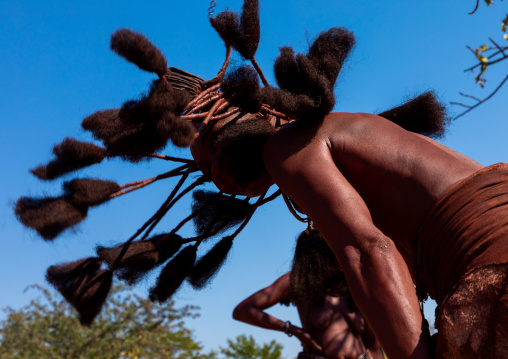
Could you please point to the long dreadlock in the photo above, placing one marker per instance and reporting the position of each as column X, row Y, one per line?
column 174, row 103
column 313, row 272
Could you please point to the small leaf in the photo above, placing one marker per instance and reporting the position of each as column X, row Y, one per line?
column 483, row 48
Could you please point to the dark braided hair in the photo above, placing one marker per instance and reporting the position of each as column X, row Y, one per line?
column 179, row 107
column 314, row 273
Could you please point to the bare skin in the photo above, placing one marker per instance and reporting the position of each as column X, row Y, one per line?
column 373, row 182
column 333, row 329
column 376, row 183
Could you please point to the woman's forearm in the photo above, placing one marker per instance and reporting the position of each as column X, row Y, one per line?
column 259, row 318
column 384, row 292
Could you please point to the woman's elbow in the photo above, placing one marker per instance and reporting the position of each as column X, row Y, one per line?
column 239, row 312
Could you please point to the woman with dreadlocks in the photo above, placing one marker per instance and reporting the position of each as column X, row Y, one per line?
column 408, row 209
column 332, row 326
column 396, row 207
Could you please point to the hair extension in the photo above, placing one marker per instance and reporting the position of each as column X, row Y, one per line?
column 173, row 274
column 138, row 134
column 93, row 296
column 115, row 127
column 103, row 124
column 158, row 114
column 89, row 191
column 226, row 24
column 82, row 285
column 241, row 88
column 143, row 126
column 70, row 155
column 286, row 71
column 163, row 97
column 220, row 211
column 326, row 55
column 208, row 265
column 317, row 86
column 293, row 105
column 49, row 216
column 68, row 277
column 312, row 275
column 140, row 256
column 330, row 50
column 242, row 34
column 180, row 131
column 423, row 114
column 309, row 94
column 313, row 75
column 250, row 29
column 136, row 48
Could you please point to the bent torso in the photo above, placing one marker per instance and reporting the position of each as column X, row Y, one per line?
column 335, row 326
column 398, row 174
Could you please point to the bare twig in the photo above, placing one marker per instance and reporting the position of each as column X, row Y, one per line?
column 481, row 101
column 460, row 104
column 490, row 62
column 469, row 96
column 497, row 46
column 470, row 49
column 476, row 7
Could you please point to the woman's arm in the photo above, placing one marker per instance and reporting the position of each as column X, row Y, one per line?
column 251, row 311
column 376, row 273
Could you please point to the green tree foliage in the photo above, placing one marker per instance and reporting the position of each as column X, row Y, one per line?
column 246, row 348
column 128, row 327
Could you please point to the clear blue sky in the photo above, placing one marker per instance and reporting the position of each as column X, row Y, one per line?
column 56, row 68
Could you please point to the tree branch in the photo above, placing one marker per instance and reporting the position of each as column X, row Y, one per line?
column 470, row 96
column 470, row 108
column 496, row 45
column 500, row 51
column 476, row 7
